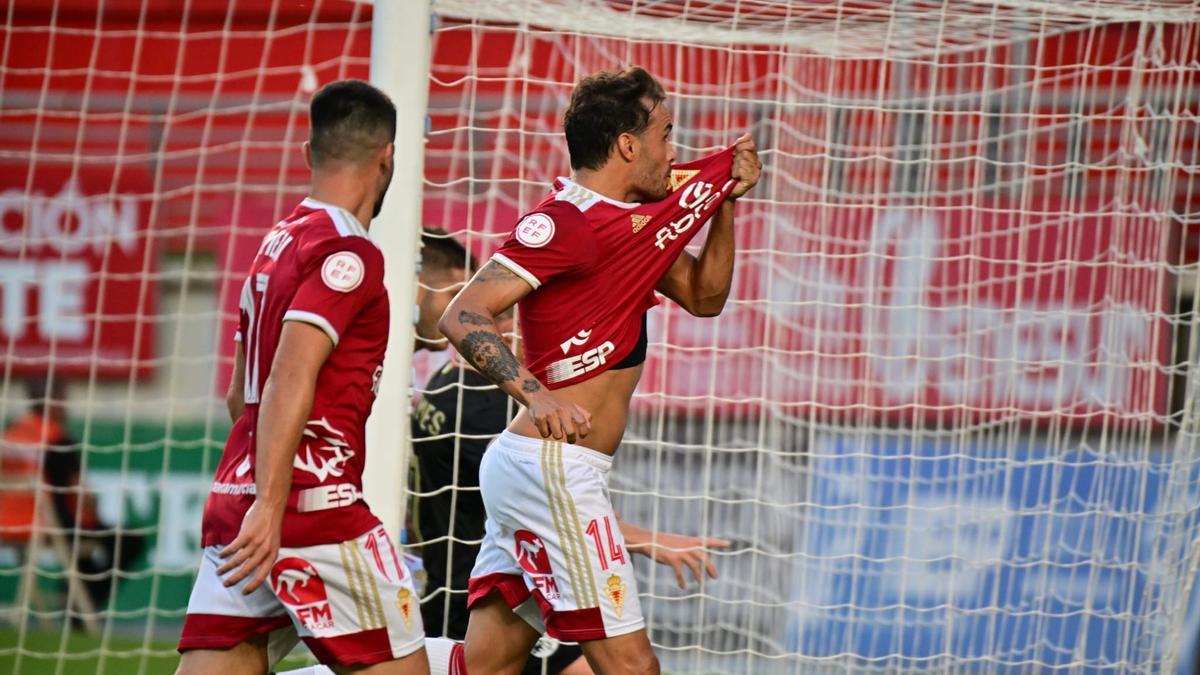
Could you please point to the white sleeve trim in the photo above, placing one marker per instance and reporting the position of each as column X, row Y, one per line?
column 237, row 336
column 314, row 319
column 517, row 270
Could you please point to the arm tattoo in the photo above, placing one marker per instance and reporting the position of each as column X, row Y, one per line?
column 493, row 271
column 490, row 356
column 530, row 386
column 472, row 319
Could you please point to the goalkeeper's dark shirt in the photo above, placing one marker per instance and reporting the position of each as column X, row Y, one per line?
column 439, row 430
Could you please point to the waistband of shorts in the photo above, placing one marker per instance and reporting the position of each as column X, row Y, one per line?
column 510, row 441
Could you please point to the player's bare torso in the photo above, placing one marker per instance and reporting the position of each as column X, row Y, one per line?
column 606, row 397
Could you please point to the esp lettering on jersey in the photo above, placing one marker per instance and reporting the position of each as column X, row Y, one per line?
column 594, row 262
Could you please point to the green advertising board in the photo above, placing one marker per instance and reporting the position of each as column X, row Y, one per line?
column 149, row 478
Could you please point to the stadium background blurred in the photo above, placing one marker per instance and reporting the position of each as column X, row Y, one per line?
column 1035, row 199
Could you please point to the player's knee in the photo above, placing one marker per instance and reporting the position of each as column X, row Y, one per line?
column 644, row 664
column 634, row 662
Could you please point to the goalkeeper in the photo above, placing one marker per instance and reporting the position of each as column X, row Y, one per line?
column 584, row 266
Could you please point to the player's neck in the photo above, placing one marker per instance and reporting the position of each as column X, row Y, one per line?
column 609, row 184
column 345, row 191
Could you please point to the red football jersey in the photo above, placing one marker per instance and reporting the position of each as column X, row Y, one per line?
column 593, row 263
column 319, row 267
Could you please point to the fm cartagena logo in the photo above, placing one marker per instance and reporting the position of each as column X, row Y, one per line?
column 297, row 585
column 531, row 553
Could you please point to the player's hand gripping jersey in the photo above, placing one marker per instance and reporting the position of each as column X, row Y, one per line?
column 319, row 267
column 594, row 263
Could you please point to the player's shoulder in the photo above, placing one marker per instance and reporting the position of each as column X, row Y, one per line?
column 326, row 228
column 566, row 212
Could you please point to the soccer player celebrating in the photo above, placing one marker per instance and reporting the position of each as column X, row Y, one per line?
column 584, row 266
column 290, row 548
column 460, row 413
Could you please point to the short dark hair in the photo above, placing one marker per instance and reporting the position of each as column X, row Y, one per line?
column 441, row 252
column 604, row 106
column 349, row 119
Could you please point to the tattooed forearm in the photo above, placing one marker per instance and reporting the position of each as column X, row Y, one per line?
column 530, row 386
column 472, row 319
column 490, row 356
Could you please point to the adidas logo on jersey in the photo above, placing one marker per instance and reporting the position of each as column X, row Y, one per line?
column 639, row 221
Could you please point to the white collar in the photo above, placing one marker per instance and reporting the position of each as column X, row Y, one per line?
column 318, row 204
column 567, row 182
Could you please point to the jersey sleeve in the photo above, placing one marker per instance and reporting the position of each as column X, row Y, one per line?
column 341, row 277
column 550, row 242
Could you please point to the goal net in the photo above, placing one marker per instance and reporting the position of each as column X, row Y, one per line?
column 946, row 418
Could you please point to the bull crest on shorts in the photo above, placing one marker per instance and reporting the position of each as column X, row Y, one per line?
column 404, row 604
column 615, row 589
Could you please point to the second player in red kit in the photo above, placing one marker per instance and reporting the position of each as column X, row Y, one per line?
column 291, row 550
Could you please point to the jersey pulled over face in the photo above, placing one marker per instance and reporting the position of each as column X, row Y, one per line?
column 316, row 266
column 594, row 262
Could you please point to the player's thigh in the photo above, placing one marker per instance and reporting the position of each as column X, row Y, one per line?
column 415, row 663
column 352, row 602
column 498, row 640
column 245, row 658
column 628, row 654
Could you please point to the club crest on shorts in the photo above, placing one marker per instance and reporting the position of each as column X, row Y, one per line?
column 615, row 590
column 535, row 230
column 531, row 553
column 404, row 604
column 298, row 585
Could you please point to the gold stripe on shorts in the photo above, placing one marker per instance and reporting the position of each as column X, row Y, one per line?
column 556, row 511
column 577, row 531
column 373, row 603
column 352, row 580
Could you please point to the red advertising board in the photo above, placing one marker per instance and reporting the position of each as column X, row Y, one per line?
column 77, row 283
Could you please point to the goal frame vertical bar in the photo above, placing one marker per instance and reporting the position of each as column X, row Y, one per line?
column 400, row 56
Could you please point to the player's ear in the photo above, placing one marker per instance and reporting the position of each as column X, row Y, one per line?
column 308, row 154
column 628, row 146
column 387, row 158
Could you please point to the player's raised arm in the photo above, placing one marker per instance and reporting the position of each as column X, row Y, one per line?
column 470, row 324
column 701, row 284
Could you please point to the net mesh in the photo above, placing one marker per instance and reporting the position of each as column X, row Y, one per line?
column 945, row 417
column 144, row 148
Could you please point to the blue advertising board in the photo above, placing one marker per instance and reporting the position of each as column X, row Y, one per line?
column 921, row 550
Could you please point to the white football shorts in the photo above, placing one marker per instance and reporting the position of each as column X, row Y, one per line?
column 552, row 546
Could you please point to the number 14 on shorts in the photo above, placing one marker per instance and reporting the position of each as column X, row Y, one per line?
column 615, row 552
